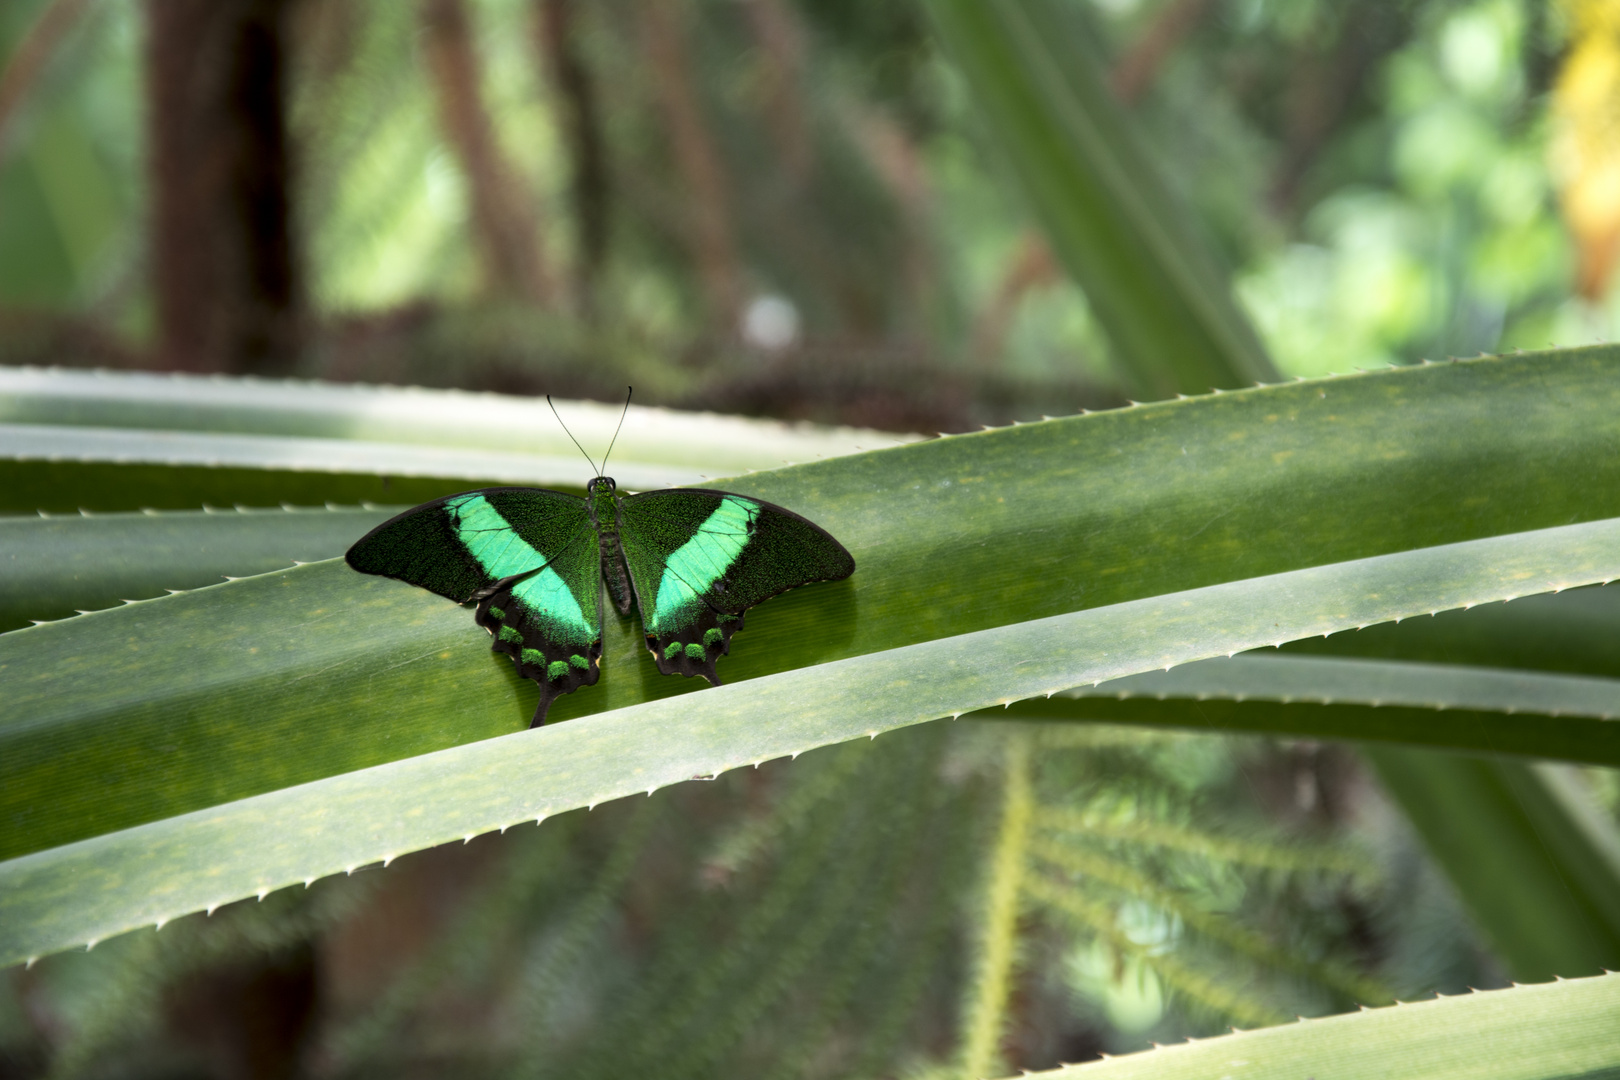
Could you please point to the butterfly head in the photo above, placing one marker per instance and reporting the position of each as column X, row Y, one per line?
column 602, row 485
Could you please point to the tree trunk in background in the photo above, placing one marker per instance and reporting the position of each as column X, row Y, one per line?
column 707, row 224
column 780, row 38
column 557, row 33
column 504, row 215
column 224, row 270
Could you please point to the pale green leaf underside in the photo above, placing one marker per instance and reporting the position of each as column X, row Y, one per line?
column 1286, row 678
column 1551, row 1031
column 401, row 431
column 101, row 886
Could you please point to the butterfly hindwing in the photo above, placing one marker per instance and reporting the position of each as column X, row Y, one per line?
column 699, row 559
column 531, row 559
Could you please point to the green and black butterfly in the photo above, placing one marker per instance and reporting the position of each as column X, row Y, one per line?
column 691, row 560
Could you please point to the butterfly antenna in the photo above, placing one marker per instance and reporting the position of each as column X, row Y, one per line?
column 575, row 441
column 627, row 392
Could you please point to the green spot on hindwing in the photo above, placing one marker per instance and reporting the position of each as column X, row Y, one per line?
column 713, row 636
column 533, row 656
column 579, row 661
column 695, row 651
column 509, row 634
column 672, row 650
column 556, row 670
column 497, row 612
column 725, row 616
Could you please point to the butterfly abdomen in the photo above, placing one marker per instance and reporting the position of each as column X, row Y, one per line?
column 614, row 571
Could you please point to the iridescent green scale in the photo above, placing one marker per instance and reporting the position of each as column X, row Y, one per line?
column 535, row 562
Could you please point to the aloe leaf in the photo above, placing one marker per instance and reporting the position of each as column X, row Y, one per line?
column 421, row 668
column 1560, row 917
column 1564, row 738
column 1546, row 1032
column 51, row 567
column 111, row 441
column 67, row 487
column 71, row 443
column 1570, row 632
column 1421, row 705
column 1287, row 678
column 951, row 536
column 173, row 410
column 1132, row 247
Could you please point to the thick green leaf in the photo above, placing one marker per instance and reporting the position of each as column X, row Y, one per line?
column 402, row 431
column 1127, row 242
column 951, row 536
column 1565, row 738
column 1422, row 705
column 51, row 567
column 66, row 487
column 109, row 441
column 1554, row 1031
column 1287, row 678
column 1559, row 918
column 1571, row 632
column 422, row 667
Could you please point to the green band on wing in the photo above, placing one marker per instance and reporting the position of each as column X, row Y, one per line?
column 490, row 538
column 701, row 561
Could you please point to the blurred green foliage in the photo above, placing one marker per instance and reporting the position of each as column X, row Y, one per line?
column 1377, row 182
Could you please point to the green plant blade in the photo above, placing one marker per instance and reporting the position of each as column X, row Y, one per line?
column 1130, row 246
column 289, row 453
column 1422, row 705
column 1558, row 916
column 1569, row 632
column 110, row 441
column 662, row 442
column 430, row 668
column 67, row 487
column 1564, row 738
column 1287, row 678
column 51, row 567
column 1553, row 1031
column 951, row 536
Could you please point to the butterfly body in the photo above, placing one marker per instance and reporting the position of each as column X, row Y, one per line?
column 542, row 565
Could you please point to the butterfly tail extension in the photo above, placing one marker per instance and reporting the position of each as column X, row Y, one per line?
column 693, row 649
column 556, row 667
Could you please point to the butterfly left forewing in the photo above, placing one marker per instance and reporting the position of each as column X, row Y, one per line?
column 700, row 559
column 528, row 556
